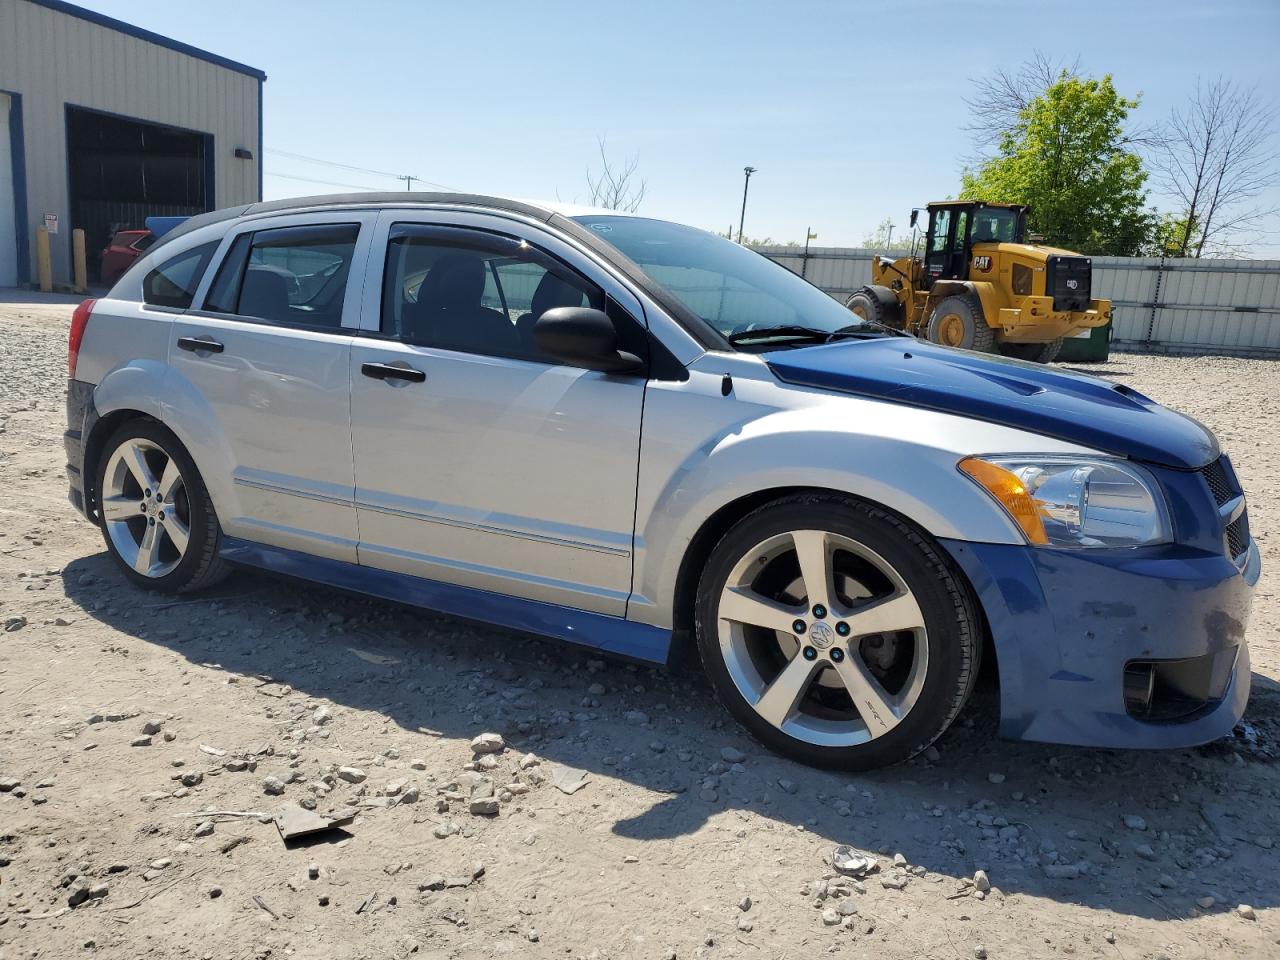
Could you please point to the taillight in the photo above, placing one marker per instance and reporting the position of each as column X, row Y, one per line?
column 79, row 320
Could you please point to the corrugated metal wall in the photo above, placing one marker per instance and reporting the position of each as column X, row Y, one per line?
column 1178, row 305
column 54, row 59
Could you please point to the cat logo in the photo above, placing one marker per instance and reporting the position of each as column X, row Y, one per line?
column 982, row 264
column 1073, row 284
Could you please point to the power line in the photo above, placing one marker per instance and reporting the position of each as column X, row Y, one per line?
column 347, row 166
column 326, row 183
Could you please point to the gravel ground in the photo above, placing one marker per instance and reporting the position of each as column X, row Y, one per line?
column 126, row 718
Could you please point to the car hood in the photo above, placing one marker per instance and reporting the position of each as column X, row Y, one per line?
column 1047, row 400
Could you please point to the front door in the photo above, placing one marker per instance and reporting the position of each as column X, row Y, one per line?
column 946, row 257
column 265, row 366
column 479, row 461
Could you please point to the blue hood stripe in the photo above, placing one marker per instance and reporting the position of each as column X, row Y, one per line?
column 1046, row 400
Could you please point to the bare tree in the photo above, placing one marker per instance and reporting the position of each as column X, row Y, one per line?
column 999, row 99
column 1217, row 160
column 616, row 188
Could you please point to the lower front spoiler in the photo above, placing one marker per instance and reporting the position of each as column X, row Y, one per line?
column 1066, row 624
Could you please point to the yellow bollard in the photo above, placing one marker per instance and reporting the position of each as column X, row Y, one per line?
column 78, row 261
column 44, row 261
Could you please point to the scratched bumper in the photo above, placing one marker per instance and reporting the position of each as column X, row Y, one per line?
column 1067, row 624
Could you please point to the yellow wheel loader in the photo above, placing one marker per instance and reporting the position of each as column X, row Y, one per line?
column 978, row 285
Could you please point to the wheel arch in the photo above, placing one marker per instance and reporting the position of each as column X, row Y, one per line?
column 94, row 446
column 715, row 526
column 986, row 293
column 153, row 389
column 890, row 306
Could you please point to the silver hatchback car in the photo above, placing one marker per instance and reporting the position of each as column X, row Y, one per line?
column 640, row 437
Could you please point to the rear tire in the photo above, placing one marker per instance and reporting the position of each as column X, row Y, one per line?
column 1034, row 352
column 958, row 322
column 155, row 512
column 885, row 657
column 865, row 304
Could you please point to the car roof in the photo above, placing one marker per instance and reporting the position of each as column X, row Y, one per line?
column 555, row 214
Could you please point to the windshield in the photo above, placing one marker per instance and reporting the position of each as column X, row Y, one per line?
column 990, row 225
column 732, row 288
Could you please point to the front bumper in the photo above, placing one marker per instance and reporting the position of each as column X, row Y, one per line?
column 1037, row 322
column 1066, row 624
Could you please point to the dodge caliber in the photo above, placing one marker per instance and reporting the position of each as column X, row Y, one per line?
column 645, row 439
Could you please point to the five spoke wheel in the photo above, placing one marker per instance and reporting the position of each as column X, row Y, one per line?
column 823, row 638
column 145, row 507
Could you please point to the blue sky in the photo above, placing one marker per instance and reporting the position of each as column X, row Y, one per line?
column 852, row 112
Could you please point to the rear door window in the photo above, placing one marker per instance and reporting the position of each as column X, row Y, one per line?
column 173, row 284
column 296, row 276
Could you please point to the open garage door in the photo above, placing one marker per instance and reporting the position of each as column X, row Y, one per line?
column 8, row 199
column 123, row 171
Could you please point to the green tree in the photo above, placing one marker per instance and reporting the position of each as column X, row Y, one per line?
column 1171, row 236
column 1066, row 157
column 887, row 236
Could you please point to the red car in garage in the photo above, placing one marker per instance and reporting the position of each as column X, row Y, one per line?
column 118, row 255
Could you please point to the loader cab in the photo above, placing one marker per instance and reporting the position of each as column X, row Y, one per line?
column 955, row 227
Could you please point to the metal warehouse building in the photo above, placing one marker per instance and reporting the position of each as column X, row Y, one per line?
column 103, row 124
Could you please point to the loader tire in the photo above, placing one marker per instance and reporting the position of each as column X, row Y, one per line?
column 958, row 322
column 867, row 305
column 1035, row 352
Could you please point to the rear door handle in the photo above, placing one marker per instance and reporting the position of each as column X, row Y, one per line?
column 200, row 345
column 389, row 371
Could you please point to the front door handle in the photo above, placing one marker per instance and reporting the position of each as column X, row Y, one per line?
column 389, row 371
column 200, row 345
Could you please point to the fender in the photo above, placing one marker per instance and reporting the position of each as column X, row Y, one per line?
column 133, row 385
column 986, row 293
column 847, row 444
column 154, row 388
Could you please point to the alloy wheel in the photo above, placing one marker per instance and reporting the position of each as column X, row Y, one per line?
column 823, row 638
column 145, row 507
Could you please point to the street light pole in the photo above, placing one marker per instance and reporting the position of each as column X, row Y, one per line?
column 745, row 184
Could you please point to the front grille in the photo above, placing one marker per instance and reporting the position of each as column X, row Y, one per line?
column 1223, row 485
column 1215, row 474
column 1069, row 280
column 1237, row 536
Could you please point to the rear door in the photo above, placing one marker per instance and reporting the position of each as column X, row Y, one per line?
column 480, row 462
column 266, row 357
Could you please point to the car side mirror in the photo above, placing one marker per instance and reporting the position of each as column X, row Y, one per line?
column 583, row 337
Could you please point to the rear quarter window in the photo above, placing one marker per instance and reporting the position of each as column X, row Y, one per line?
column 173, row 284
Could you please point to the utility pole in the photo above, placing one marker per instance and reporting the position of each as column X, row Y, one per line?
column 745, row 183
column 408, row 181
column 888, row 242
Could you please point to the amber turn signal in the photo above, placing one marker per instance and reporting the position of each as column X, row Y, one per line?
column 1011, row 493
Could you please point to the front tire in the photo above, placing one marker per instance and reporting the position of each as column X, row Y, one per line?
column 835, row 632
column 155, row 512
column 958, row 322
column 883, row 309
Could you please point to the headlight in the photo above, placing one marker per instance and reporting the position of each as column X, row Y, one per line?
column 1075, row 502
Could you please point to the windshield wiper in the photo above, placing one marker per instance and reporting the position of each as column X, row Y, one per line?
column 872, row 328
column 793, row 331
column 785, row 331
